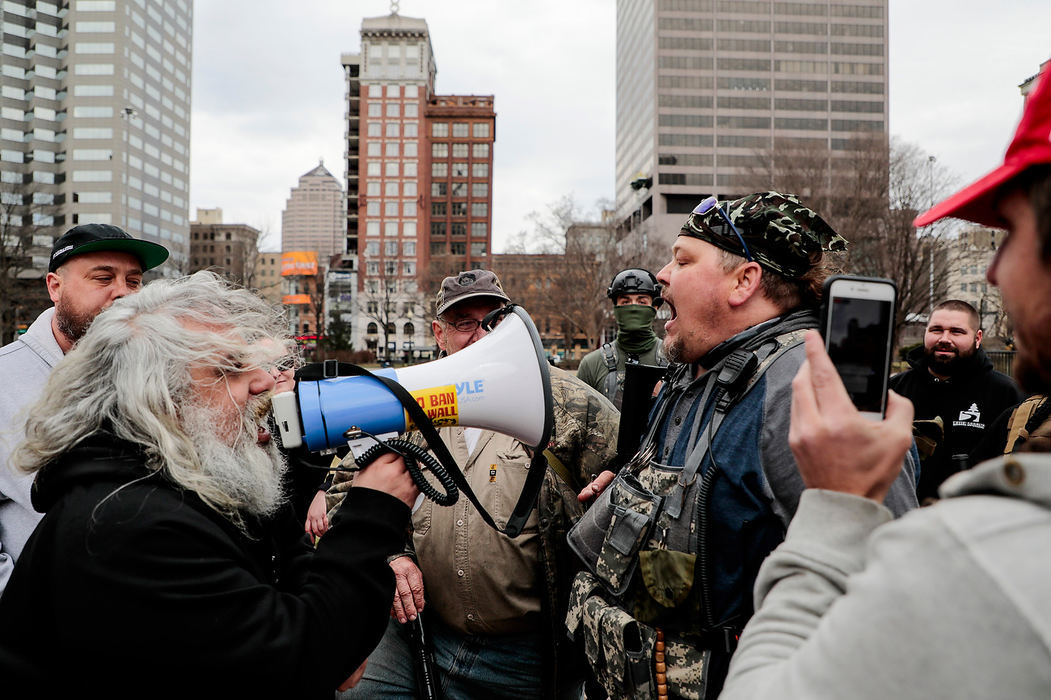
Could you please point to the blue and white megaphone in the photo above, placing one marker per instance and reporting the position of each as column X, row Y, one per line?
column 498, row 383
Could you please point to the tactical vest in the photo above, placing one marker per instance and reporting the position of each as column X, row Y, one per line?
column 613, row 387
column 645, row 546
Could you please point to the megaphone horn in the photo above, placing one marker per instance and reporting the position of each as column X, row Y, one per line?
column 498, row 383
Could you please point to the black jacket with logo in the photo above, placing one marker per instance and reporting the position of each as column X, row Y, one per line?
column 967, row 402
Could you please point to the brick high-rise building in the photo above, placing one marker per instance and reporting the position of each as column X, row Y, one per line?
column 708, row 89
column 419, row 182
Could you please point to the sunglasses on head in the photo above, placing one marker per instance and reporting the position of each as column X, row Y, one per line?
column 713, row 203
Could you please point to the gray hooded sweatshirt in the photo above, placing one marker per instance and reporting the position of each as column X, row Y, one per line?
column 949, row 601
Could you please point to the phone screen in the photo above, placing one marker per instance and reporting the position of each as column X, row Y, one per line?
column 858, row 339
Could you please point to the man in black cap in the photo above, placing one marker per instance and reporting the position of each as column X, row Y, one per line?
column 91, row 266
column 674, row 543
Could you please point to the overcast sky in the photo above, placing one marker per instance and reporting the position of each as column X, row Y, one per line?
column 268, row 92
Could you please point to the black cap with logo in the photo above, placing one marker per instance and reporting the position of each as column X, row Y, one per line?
column 88, row 238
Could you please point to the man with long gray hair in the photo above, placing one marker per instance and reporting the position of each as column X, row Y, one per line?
column 164, row 563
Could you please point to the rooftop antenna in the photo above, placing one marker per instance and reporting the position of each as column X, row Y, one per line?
column 394, row 7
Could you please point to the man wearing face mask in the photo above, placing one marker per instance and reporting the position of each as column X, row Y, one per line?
column 636, row 297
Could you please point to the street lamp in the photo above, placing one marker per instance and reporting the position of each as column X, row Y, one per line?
column 126, row 115
column 930, row 240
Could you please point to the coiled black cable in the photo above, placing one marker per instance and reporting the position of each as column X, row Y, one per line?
column 413, row 455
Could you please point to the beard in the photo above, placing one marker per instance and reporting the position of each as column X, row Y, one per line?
column 951, row 365
column 673, row 350
column 249, row 474
column 71, row 322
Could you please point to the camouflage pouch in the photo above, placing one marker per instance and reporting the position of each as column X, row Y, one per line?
column 609, row 535
column 634, row 510
column 619, row 650
column 667, row 575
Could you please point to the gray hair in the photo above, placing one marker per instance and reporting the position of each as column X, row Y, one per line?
column 130, row 374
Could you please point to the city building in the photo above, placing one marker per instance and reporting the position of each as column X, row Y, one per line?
column 419, row 183
column 313, row 215
column 95, row 121
column 710, row 92
column 268, row 280
column 231, row 250
column 970, row 254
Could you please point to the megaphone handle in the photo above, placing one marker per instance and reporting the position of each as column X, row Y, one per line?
column 414, row 455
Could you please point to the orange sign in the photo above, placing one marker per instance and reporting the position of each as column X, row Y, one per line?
column 299, row 262
column 295, row 299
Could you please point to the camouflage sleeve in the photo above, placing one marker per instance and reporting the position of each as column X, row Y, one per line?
column 342, row 480
column 584, row 437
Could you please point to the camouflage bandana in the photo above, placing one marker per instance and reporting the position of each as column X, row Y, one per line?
column 782, row 233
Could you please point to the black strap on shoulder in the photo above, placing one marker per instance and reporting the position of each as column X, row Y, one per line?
column 538, row 464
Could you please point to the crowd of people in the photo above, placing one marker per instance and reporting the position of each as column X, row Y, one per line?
column 766, row 540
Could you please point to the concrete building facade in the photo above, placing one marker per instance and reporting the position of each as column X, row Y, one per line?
column 95, row 120
column 708, row 91
column 230, row 250
column 313, row 215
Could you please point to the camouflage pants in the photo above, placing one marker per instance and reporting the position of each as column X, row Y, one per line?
column 620, row 649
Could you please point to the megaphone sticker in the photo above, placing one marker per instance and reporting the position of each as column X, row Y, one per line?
column 439, row 403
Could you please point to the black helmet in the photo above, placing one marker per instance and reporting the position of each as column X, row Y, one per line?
column 635, row 280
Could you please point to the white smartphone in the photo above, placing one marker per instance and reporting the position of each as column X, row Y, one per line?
column 858, row 327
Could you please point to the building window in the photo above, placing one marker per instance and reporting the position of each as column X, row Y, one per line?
column 408, row 248
column 392, row 149
column 479, row 170
column 439, row 150
column 460, row 130
column 375, row 129
column 411, row 129
column 481, row 130
column 391, row 168
column 390, row 228
column 438, row 209
column 393, row 129
column 478, row 249
column 437, row 229
column 412, row 110
column 373, row 168
column 390, row 208
column 372, row 228
column 439, row 189
column 375, row 109
column 460, row 150
column 480, row 209
column 391, row 189
column 409, row 167
column 480, row 150
column 393, row 109
column 480, row 189
column 439, row 170
column 440, row 129
column 458, row 230
column 459, row 209
column 459, row 169
column 459, row 189
column 410, row 149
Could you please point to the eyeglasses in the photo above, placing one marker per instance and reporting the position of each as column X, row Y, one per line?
column 465, row 325
column 281, row 364
column 713, row 203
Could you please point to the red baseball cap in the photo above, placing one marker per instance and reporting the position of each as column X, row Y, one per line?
column 1030, row 146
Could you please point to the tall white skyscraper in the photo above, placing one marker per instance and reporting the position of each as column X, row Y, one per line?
column 708, row 89
column 95, row 120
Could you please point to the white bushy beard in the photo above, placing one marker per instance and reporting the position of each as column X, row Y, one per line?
column 250, row 474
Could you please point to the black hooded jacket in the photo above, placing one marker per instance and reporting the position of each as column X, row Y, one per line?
column 132, row 586
column 967, row 402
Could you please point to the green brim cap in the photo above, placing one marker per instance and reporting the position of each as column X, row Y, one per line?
column 782, row 234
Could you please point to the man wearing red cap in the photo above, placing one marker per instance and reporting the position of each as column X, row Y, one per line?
column 949, row 601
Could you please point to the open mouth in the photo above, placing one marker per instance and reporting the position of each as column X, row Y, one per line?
column 263, row 434
column 670, row 307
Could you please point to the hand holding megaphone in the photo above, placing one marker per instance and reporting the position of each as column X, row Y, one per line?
column 387, row 473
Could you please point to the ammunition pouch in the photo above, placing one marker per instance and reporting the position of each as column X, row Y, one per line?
column 611, row 533
column 621, row 650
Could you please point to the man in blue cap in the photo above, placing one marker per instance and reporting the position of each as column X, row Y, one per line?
column 91, row 266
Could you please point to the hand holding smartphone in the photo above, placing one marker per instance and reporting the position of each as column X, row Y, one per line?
column 857, row 323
